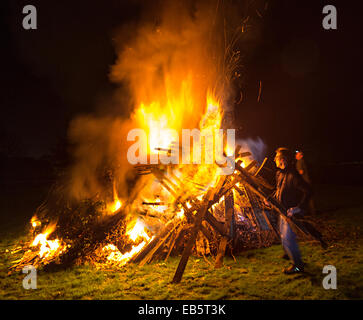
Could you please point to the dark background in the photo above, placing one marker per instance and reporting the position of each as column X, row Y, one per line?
column 311, row 82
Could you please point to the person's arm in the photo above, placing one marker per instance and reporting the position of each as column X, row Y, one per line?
column 273, row 193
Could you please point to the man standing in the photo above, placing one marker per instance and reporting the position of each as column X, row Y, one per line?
column 301, row 166
column 293, row 193
column 302, row 169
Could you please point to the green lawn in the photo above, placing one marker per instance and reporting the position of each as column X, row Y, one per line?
column 256, row 274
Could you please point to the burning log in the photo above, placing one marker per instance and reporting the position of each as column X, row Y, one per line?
column 251, row 165
column 261, row 166
column 173, row 240
column 229, row 214
column 155, row 242
column 197, row 216
column 191, row 241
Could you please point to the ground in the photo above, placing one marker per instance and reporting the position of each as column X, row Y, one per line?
column 254, row 274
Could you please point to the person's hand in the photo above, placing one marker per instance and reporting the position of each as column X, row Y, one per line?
column 292, row 211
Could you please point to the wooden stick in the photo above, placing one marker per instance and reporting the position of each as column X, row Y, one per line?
column 251, row 165
column 172, row 243
column 261, row 166
column 275, row 233
column 228, row 214
column 253, row 186
column 214, row 223
column 189, row 246
column 154, row 242
column 150, row 254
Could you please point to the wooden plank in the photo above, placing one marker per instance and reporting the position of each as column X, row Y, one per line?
column 172, row 243
column 261, row 166
column 214, row 223
column 243, row 154
column 276, row 234
column 151, row 252
column 228, row 213
column 221, row 251
column 154, row 242
column 246, row 178
column 251, row 165
column 191, row 241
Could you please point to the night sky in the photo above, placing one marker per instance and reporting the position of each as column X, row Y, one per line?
column 311, row 77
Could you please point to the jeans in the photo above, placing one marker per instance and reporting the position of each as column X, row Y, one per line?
column 289, row 243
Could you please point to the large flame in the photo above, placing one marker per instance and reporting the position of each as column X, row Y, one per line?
column 136, row 232
column 48, row 248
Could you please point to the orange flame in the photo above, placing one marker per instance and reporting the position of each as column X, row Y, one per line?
column 48, row 248
column 135, row 233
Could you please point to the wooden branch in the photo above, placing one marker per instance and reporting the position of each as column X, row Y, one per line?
column 261, row 166
column 246, row 178
column 154, row 242
column 228, row 214
column 172, row 243
column 161, row 241
column 251, row 165
column 214, row 223
column 191, row 241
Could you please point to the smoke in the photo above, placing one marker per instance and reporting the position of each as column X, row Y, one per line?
column 98, row 146
column 181, row 44
column 175, row 55
column 254, row 145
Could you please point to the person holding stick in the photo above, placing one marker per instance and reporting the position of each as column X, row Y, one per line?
column 293, row 193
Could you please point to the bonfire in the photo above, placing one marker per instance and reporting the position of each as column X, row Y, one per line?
column 173, row 207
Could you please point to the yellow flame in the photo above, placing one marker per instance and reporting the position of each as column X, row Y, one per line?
column 180, row 214
column 138, row 231
column 35, row 222
column 116, row 204
column 47, row 247
column 121, row 259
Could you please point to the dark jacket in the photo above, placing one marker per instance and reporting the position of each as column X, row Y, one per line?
column 301, row 166
column 291, row 189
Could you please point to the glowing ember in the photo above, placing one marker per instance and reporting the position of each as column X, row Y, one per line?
column 121, row 259
column 48, row 248
column 35, row 222
column 138, row 231
column 116, row 204
column 180, row 214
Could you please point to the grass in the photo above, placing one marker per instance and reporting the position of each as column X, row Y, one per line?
column 254, row 274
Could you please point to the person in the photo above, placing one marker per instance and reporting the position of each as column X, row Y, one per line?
column 302, row 169
column 293, row 193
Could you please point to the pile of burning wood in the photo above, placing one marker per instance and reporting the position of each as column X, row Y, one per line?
column 227, row 217
column 172, row 210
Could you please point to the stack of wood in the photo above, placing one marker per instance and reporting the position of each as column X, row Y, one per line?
column 229, row 217
column 244, row 188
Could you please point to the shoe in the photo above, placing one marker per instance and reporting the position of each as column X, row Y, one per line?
column 285, row 256
column 293, row 269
